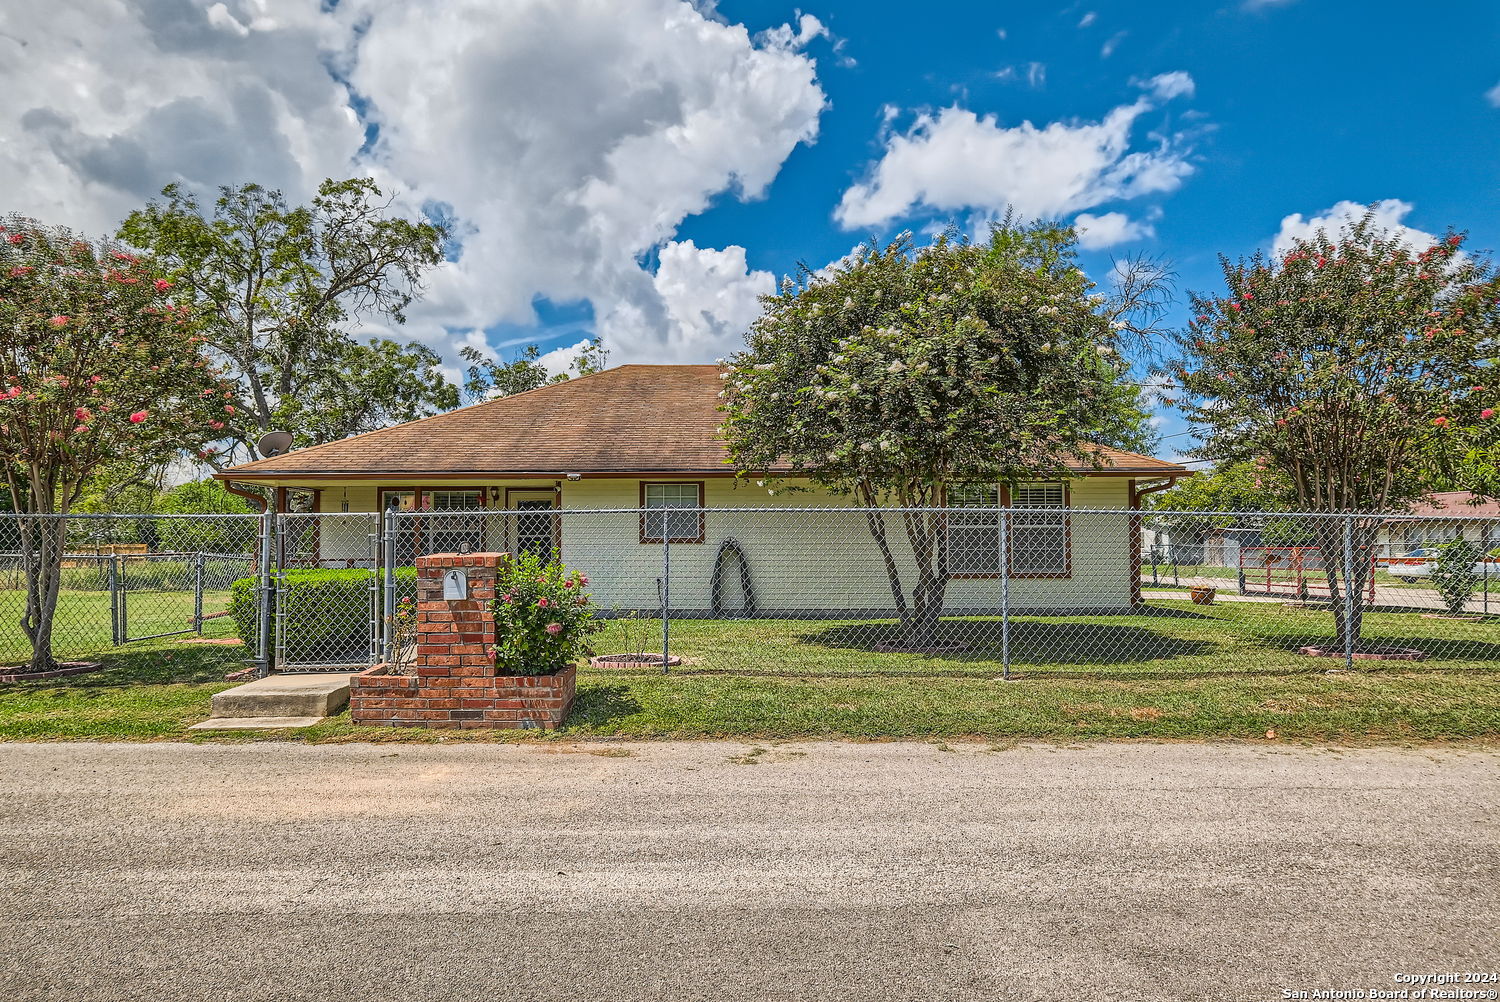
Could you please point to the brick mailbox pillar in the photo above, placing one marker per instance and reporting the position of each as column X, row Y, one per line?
column 455, row 685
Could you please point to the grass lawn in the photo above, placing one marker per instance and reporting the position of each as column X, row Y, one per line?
column 1180, row 672
column 81, row 629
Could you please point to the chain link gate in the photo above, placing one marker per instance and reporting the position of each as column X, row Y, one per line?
column 326, row 591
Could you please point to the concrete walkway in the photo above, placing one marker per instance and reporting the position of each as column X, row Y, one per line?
column 729, row 871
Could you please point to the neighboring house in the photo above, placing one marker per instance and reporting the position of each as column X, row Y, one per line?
column 646, row 437
column 1443, row 517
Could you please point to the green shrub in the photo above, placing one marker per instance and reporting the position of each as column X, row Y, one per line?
column 1454, row 575
column 328, row 612
column 543, row 617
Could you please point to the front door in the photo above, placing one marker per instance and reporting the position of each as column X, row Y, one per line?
column 536, row 528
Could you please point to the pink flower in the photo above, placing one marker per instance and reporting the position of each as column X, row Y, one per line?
column 1281, row 422
column 20, row 270
column 554, row 628
column 16, row 238
column 506, row 599
column 216, row 425
column 567, row 584
column 1235, row 307
column 583, row 579
column 162, row 285
column 58, row 321
column 542, row 603
column 1487, row 413
column 228, row 408
column 137, row 417
column 80, row 429
column 1440, row 421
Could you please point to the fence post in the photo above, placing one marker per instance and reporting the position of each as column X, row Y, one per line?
column 666, row 594
column 265, row 661
column 1005, row 595
column 1349, row 592
column 114, row 600
column 388, row 573
column 198, row 594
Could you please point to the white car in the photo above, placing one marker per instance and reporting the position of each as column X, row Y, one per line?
column 1417, row 566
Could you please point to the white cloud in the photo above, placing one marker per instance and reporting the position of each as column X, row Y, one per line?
column 1387, row 216
column 956, row 160
column 1096, row 232
column 1493, row 95
column 1111, row 44
column 1088, row 19
column 1166, row 86
column 568, row 138
column 1265, row 4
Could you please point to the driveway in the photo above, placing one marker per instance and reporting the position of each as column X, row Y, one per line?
column 719, row 871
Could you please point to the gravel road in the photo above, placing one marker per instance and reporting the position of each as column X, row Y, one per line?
column 722, row 871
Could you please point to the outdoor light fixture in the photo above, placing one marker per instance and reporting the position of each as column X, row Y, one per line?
column 575, row 476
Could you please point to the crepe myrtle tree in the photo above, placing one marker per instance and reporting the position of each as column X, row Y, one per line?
column 98, row 366
column 1356, row 367
column 904, row 370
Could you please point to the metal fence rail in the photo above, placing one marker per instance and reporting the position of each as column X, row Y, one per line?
column 817, row 591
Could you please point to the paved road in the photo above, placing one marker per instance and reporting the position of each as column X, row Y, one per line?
column 679, row 871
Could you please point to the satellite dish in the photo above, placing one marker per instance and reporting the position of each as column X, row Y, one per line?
column 274, row 443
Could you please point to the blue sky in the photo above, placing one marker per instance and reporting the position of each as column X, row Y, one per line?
column 645, row 169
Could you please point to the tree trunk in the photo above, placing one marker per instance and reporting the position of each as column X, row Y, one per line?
column 876, row 521
column 41, row 559
column 1348, row 622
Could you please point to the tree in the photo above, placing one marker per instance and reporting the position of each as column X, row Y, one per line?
column 491, row 379
column 1351, row 366
column 211, row 536
column 277, row 289
column 98, row 366
column 1453, row 573
column 904, row 371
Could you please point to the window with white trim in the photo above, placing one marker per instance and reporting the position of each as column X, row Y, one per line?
column 1039, row 536
column 973, row 538
column 681, row 527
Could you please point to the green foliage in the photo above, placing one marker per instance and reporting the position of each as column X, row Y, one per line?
column 277, row 289
column 328, row 611
column 1355, row 366
column 1350, row 365
column 204, row 497
column 543, row 617
column 99, row 366
column 1232, row 487
column 1455, row 575
column 904, row 370
column 490, row 379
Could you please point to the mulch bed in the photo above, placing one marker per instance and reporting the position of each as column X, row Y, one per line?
column 631, row 660
column 63, row 668
column 1370, row 654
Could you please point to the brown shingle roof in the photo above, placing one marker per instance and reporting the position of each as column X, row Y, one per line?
column 1455, row 503
column 630, row 419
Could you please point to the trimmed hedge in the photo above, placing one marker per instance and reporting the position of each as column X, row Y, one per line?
column 328, row 612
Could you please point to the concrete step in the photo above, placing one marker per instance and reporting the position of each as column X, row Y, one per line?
column 285, row 696
column 253, row 723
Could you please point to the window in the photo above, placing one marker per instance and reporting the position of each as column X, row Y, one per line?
column 1039, row 538
column 974, row 539
column 436, row 533
column 681, row 527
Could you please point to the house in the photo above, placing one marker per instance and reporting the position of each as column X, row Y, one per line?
column 1442, row 517
column 617, row 445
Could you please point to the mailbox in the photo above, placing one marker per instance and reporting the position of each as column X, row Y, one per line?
column 455, row 584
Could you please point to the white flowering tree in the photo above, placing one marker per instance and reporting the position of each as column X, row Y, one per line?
column 904, row 370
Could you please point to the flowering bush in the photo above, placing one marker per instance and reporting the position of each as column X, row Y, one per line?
column 543, row 617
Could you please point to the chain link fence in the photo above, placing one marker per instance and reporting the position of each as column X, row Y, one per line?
column 122, row 582
column 965, row 591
